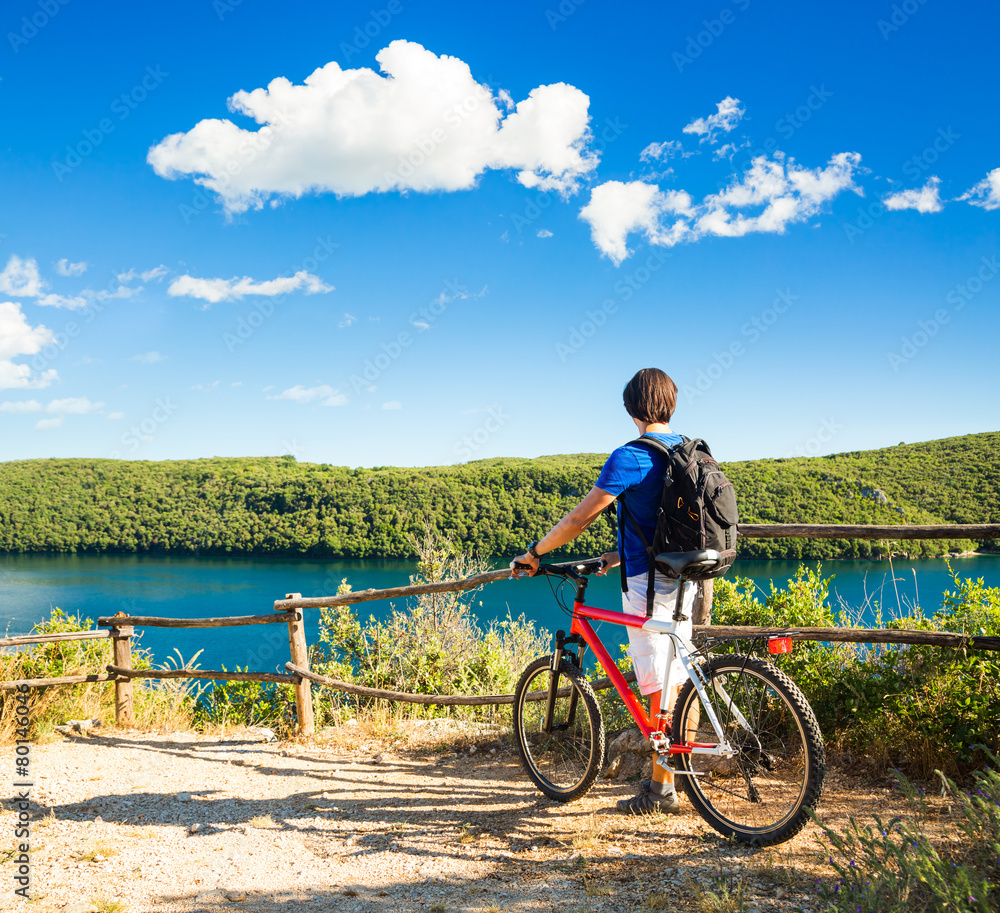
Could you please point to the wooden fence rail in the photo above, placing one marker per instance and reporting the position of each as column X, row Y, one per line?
column 853, row 531
column 203, row 673
column 286, row 611
column 53, row 638
column 233, row 621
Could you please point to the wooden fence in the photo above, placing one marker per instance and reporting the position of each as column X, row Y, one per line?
column 288, row 611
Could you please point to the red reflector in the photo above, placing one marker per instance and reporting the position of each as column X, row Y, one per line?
column 779, row 645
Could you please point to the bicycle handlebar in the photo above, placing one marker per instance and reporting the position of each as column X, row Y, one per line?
column 574, row 569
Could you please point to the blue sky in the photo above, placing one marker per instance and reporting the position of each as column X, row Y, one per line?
column 465, row 247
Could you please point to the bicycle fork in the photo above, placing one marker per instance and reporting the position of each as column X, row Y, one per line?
column 550, row 702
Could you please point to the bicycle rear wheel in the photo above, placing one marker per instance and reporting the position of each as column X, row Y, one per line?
column 564, row 757
column 762, row 793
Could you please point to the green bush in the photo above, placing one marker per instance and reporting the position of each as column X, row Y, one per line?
column 267, row 704
column 915, row 707
column 155, row 703
column 433, row 645
column 897, row 867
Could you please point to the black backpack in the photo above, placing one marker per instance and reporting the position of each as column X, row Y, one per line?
column 697, row 510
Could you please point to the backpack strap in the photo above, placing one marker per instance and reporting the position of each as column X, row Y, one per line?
column 650, row 589
column 666, row 450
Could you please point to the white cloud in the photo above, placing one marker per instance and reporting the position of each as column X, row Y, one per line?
column 663, row 152
column 74, row 405
column 325, row 395
column 617, row 209
column 544, row 233
column 17, row 408
column 149, row 358
column 215, row 290
column 17, row 338
column 156, row 273
column 392, row 404
column 122, row 291
column 61, row 301
column 115, row 416
column 729, row 115
column 47, row 424
column 728, row 150
column 924, row 199
column 347, row 320
column 65, row 268
column 20, row 278
column 425, row 125
column 780, row 192
column 985, row 194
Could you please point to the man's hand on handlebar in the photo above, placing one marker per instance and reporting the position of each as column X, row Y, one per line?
column 523, row 564
column 608, row 561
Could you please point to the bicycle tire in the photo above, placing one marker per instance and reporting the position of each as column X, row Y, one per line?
column 565, row 762
column 762, row 794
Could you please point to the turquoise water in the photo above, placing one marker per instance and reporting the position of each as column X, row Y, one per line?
column 89, row 586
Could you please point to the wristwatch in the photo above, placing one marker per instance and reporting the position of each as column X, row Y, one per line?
column 533, row 550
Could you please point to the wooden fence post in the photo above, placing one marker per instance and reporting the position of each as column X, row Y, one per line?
column 300, row 657
column 702, row 613
column 122, row 640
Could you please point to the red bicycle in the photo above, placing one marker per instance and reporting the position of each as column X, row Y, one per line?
column 743, row 742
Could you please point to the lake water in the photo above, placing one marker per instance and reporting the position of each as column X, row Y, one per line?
column 90, row 586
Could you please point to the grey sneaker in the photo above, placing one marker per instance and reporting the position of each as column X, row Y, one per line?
column 646, row 802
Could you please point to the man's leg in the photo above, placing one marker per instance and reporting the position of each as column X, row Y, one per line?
column 660, row 794
column 662, row 782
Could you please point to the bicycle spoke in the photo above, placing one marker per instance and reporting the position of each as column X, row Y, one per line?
column 559, row 730
column 776, row 769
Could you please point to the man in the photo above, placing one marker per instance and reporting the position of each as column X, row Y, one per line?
column 634, row 473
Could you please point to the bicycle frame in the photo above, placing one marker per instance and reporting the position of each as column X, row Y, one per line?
column 658, row 737
column 764, row 760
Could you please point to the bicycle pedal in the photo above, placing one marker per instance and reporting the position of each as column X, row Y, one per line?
column 658, row 742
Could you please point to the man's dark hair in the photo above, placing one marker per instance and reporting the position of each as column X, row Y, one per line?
column 650, row 396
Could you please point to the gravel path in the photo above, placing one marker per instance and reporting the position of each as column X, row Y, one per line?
column 180, row 822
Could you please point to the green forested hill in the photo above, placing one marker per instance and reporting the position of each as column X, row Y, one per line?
column 280, row 507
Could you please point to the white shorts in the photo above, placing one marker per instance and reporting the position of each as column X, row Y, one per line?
column 647, row 649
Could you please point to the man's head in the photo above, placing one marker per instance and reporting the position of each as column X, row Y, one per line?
column 650, row 396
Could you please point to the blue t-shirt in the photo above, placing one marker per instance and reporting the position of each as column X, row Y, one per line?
column 637, row 471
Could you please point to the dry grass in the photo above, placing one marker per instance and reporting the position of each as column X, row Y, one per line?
column 166, row 704
column 597, row 889
column 102, row 849
column 106, row 905
column 262, row 821
column 591, row 832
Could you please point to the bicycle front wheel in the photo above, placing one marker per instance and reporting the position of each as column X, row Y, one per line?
column 559, row 729
column 761, row 794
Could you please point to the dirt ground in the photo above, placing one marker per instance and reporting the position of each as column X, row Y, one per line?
column 137, row 821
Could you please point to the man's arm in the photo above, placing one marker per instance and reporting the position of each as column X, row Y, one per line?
column 570, row 526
